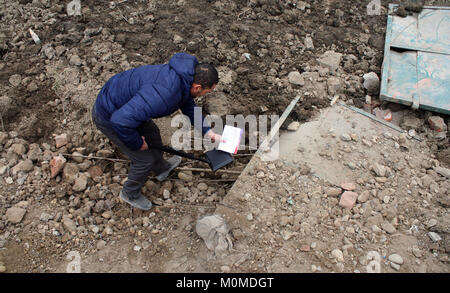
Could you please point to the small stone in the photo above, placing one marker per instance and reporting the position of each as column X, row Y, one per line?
column 3, row 137
column 75, row 60
column 45, row 217
column 395, row 258
column 395, row 266
column 371, row 82
column 2, row 269
column 437, row 123
column 177, row 39
column 305, row 248
column 15, row 80
column 331, row 60
column 185, row 176
column 61, row 140
column 294, row 126
column 379, row 170
column 250, row 217
column 340, row 267
column 166, row 194
column 260, row 174
column 388, row 228
column 108, row 230
column 431, row 223
column 338, row 255
column 202, row 186
column 107, row 215
column 23, row 166
column 333, row 191
column 225, row 269
column 15, row 214
column 348, row 186
column 95, row 171
column 364, row 196
column 49, row 51
column 376, row 229
column 445, row 172
column 56, row 165
column 334, row 85
column 101, row 244
column 416, row 251
column 434, row 236
column 309, row 43
column 296, row 78
column 18, row 149
column 137, row 248
column 345, row 137
column 69, row 224
column 348, row 199
column 80, row 183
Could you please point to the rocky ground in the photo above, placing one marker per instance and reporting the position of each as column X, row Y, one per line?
column 318, row 208
column 267, row 52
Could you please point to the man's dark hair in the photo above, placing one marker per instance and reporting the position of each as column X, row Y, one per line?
column 206, row 75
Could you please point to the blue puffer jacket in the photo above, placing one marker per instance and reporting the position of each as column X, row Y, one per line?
column 134, row 96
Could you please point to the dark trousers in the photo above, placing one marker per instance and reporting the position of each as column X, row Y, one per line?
column 142, row 162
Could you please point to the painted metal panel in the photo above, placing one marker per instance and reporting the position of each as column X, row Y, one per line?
column 416, row 65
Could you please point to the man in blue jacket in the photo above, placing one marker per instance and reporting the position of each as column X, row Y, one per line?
column 128, row 102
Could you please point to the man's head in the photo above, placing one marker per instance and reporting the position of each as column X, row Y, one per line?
column 205, row 79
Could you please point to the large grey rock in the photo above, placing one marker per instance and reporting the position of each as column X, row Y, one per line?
column 371, row 82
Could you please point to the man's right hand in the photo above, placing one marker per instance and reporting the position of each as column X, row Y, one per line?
column 144, row 145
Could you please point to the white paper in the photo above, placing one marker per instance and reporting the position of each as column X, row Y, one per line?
column 232, row 139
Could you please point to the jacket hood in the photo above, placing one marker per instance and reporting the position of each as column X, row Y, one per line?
column 184, row 65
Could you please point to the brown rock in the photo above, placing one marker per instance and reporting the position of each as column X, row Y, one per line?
column 437, row 123
column 56, row 165
column 95, row 171
column 61, row 140
column 348, row 199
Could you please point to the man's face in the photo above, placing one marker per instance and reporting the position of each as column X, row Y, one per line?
column 198, row 91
